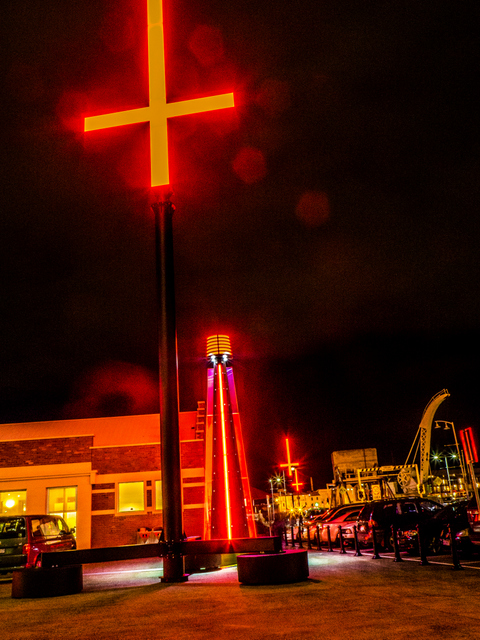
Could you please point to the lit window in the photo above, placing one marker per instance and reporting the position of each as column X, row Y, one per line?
column 13, row 503
column 158, row 495
column 131, row 496
column 62, row 501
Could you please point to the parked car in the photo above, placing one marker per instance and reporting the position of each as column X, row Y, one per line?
column 332, row 513
column 24, row 538
column 436, row 530
column 404, row 513
column 348, row 516
column 473, row 515
column 463, row 540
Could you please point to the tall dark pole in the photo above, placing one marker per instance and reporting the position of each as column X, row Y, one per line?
column 168, row 387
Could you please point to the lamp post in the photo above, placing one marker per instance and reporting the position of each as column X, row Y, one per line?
column 157, row 114
column 437, row 457
column 446, row 426
column 168, row 393
column 272, row 517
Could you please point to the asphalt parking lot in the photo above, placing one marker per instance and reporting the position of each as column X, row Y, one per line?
column 345, row 597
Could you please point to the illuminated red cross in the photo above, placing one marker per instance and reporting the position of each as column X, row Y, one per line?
column 289, row 465
column 297, row 484
column 159, row 110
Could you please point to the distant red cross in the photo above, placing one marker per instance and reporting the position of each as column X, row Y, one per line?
column 289, row 465
column 159, row 110
column 297, row 484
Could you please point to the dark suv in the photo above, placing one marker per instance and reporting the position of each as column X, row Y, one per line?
column 24, row 538
column 473, row 514
column 382, row 514
column 436, row 530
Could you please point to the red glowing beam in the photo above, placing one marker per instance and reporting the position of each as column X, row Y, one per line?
column 224, row 449
column 159, row 110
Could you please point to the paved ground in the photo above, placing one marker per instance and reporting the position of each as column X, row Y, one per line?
column 346, row 597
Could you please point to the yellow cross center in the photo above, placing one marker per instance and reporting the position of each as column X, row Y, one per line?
column 159, row 110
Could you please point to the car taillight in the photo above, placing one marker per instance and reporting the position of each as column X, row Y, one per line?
column 473, row 516
column 26, row 551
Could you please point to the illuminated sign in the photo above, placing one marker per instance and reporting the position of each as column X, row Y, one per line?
column 159, row 110
column 469, row 446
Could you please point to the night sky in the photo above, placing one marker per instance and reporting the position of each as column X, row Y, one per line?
column 328, row 223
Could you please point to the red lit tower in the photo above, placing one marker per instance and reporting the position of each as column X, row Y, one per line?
column 228, row 501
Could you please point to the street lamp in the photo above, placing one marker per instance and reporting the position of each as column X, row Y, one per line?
column 437, row 457
column 446, row 426
column 271, row 480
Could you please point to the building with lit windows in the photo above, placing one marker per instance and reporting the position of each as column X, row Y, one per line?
column 102, row 475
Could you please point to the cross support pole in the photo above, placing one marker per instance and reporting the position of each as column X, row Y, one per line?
column 168, row 388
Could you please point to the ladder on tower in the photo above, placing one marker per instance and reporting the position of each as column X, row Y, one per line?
column 200, row 423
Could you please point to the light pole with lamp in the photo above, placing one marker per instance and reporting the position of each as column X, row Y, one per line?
column 272, row 513
column 446, row 426
column 437, row 457
column 156, row 114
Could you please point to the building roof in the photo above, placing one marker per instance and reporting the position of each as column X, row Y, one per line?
column 112, row 431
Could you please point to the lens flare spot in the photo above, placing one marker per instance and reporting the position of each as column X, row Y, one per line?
column 313, row 208
column 273, row 96
column 206, row 44
column 250, row 165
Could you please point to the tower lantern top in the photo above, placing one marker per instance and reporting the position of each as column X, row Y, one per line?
column 219, row 349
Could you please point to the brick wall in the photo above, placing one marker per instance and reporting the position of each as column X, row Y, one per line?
column 103, row 501
column 192, row 454
column 193, row 495
column 193, row 522
column 22, row 453
column 126, row 459
column 109, row 530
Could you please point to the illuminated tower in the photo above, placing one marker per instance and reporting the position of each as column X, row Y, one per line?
column 228, row 501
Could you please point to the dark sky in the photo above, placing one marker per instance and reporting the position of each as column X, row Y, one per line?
column 328, row 223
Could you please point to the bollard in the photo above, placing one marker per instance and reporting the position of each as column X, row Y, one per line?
column 309, row 540
column 453, row 547
column 421, row 545
column 317, row 533
column 299, row 536
column 376, row 555
column 292, row 532
column 340, row 538
column 398, row 557
column 355, row 540
column 329, row 538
